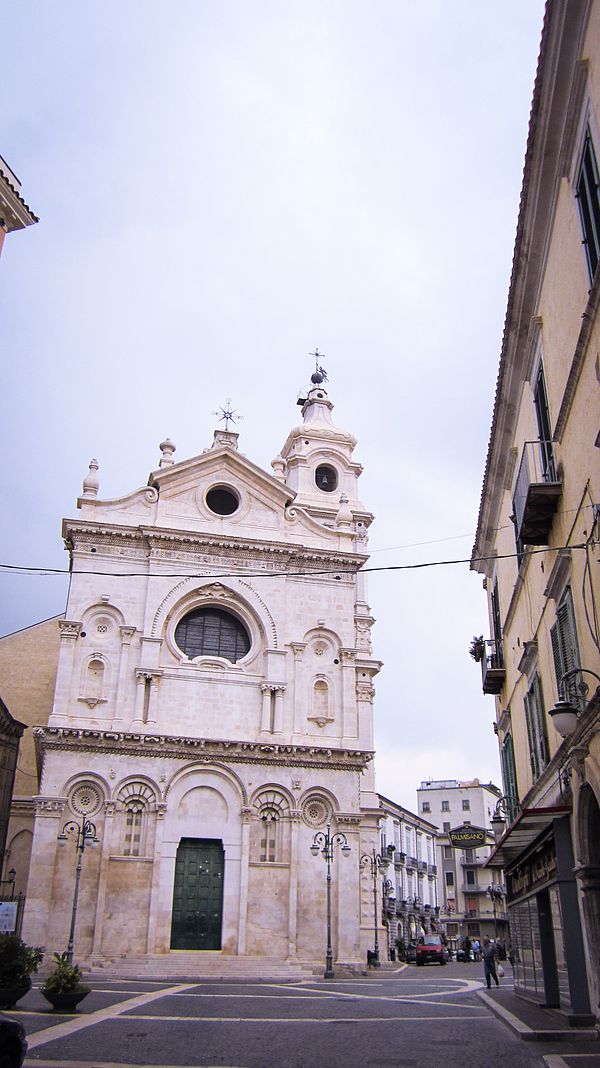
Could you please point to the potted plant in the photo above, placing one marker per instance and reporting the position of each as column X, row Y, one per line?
column 17, row 963
column 63, row 988
column 477, row 648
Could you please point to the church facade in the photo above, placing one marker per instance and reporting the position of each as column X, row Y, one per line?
column 213, row 711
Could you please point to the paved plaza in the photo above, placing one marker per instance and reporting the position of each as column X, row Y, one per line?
column 403, row 1019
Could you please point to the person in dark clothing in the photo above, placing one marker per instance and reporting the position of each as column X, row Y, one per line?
column 489, row 962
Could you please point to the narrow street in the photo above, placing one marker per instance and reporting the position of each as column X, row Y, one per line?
column 407, row 1019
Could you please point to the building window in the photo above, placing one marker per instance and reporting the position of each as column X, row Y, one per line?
column 469, row 855
column 470, row 877
column 536, row 729
column 449, row 878
column 509, row 774
column 445, row 806
column 471, row 905
column 268, row 836
column 565, row 647
column 132, row 839
column 466, row 806
column 448, row 852
column 589, row 204
column 473, row 930
column 542, row 414
column 446, row 827
column 426, row 807
column 498, row 654
column 209, row 631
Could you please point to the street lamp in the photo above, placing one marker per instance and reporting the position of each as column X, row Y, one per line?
column 376, row 862
column 323, row 843
column 565, row 714
column 496, row 894
column 84, row 834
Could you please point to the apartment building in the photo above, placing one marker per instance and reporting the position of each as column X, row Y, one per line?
column 472, row 895
column 537, row 536
column 410, row 901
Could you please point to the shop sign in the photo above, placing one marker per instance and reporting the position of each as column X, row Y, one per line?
column 467, row 837
column 8, row 917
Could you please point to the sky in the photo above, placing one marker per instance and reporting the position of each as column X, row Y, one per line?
column 223, row 186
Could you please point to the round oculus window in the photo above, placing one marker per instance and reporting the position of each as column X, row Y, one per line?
column 209, row 631
column 222, row 500
column 326, row 478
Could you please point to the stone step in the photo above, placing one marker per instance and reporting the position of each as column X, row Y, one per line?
column 181, row 965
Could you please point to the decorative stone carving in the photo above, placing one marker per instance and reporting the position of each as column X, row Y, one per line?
column 69, row 629
column 85, row 799
column 316, row 811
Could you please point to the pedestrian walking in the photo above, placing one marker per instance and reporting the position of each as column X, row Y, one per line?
column 489, row 962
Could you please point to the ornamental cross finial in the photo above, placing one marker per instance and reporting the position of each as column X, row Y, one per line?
column 320, row 374
column 227, row 414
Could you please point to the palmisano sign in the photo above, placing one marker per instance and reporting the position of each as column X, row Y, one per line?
column 467, row 837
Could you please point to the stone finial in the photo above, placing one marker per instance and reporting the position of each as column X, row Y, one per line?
column 167, row 449
column 344, row 517
column 279, row 465
column 91, row 481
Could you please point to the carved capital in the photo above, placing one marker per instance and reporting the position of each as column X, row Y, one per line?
column 69, row 629
column 48, row 806
column 298, row 649
column 127, row 634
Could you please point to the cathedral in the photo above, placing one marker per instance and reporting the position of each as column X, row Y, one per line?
column 212, row 717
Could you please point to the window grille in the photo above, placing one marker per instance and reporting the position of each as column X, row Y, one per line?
column 211, row 631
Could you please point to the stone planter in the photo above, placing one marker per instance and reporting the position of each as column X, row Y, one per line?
column 9, row 995
column 68, row 1000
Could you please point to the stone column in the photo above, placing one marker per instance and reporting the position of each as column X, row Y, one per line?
column 244, row 877
column 106, row 847
column 69, row 633
column 350, row 711
column 278, row 714
column 265, row 724
column 295, row 860
column 122, row 711
column 155, row 930
column 300, row 710
column 49, row 813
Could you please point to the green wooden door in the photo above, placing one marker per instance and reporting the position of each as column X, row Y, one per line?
column 198, row 894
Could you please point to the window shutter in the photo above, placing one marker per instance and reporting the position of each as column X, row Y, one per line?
column 565, row 647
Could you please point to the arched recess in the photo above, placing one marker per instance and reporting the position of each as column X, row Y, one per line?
column 95, row 679
column 235, row 595
column 588, row 876
column 136, row 804
column 270, row 835
column 204, row 801
column 18, row 856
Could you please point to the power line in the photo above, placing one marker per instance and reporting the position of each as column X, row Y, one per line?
column 40, row 572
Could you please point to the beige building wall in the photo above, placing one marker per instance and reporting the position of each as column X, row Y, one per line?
column 552, row 322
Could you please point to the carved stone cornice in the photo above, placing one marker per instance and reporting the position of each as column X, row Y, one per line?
column 164, row 543
column 207, row 750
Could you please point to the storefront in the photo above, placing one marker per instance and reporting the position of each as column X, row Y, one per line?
column 549, row 963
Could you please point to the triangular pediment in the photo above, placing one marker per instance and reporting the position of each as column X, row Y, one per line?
column 224, row 463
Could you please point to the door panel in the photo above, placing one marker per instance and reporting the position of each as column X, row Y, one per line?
column 198, row 894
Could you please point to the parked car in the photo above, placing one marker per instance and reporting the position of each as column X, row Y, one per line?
column 431, row 950
column 411, row 953
column 13, row 1043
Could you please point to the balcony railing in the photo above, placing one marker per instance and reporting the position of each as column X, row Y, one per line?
column 411, row 862
column 537, row 491
column 493, row 672
column 432, row 869
column 422, row 865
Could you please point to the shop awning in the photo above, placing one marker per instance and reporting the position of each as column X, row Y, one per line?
column 529, row 825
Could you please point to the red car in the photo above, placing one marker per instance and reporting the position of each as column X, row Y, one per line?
column 431, row 950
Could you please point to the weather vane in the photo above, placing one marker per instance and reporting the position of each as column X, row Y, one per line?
column 320, row 374
column 227, row 414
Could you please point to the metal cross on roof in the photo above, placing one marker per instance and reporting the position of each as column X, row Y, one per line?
column 227, row 414
column 319, row 369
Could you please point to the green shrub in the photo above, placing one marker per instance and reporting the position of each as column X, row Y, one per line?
column 65, row 978
column 17, row 961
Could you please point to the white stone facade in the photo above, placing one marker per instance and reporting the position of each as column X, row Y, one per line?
column 248, row 755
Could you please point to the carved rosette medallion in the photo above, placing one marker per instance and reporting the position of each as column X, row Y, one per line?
column 316, row 812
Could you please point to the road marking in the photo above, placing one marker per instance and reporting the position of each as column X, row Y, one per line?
column 79, row 1023
column 304, row 1020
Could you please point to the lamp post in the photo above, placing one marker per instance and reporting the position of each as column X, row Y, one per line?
column 388, row 895
column 565, row 714
column 376, row 863
column 324, row 843
column 496, row 893
column 84, row 834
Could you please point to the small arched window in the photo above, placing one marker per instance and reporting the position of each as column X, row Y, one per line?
column 210, row 631
column 94, row 679
column 269, row 835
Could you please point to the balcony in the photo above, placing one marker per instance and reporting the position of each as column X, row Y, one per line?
column 537, row 492
column 412, row 862
column 399, row 858
column 422, row 865
column 432, row 869
column 493, row 672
